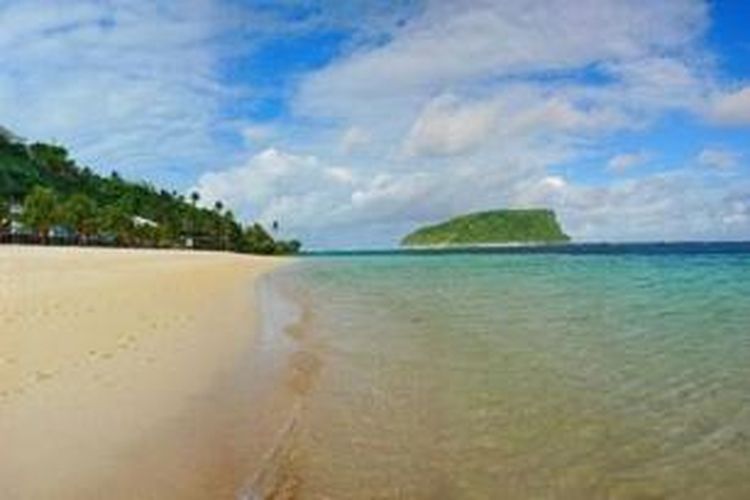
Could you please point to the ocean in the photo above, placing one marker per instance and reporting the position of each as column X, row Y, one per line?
column 579, row 371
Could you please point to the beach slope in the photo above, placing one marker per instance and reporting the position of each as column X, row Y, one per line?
column 114, row 369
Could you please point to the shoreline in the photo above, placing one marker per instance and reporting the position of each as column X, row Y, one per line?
column 122, row 372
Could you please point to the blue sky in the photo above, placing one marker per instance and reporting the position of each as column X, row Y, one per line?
column 353, row 122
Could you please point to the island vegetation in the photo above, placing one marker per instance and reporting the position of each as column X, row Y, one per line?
column 491, row 228
column 46, row 197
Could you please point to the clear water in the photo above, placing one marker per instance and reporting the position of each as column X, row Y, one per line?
column 519, row 375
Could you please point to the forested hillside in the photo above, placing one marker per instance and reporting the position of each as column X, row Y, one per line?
column 492, row 227
column 56, row 192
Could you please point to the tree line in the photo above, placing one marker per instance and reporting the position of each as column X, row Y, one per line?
column 54, row 193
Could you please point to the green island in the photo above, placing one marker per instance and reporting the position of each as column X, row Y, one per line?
column 45, row 197
column 495, row 227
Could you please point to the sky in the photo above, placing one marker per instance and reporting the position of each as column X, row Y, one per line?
column 352, row 123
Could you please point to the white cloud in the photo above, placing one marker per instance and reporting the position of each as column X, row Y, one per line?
column 448, row 127
column 650, row 208
column 731, row 108
column 656, row 83
column 260, row 179
column 258, row 134
column 622, row 162
column 718, row 158
column 313, row 199
column 353, row 139
column 330, row 206
column 461, row 41
column 470, row 105
column 559, row 114
column 298, row 190
column 128, row 85
column 341, row 174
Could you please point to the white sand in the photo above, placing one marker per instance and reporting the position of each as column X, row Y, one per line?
column 108, row 363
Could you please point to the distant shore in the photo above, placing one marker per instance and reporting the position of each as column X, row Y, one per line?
column 115, row 367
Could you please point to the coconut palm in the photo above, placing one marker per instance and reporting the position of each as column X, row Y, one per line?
column 40, row 211
column 220, row 225
column 5, row 218
column 80, row 213
column 4, row 212
column 194, row 199
column 117, row 221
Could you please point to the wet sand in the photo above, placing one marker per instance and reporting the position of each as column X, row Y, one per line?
column 124, row 374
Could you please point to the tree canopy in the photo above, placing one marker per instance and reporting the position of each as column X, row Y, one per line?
column 40, row 211
column 57, row 191
column 491, row 227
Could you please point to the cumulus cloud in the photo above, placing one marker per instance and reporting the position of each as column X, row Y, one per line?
column 471, row 104
column 623, row 162
column 731, row 108
column 655, row 83
column 315, row 199
column 275, row 185
column 650, row 208
column 448, row 127
column 353, row 139
column 131, row 85
column 465, row 40
column 330, row 206
column 718, row 158
column 258, row 134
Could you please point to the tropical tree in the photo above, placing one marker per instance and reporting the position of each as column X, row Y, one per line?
column 80, row 213
column 288, row 247
column 257, row 240
column 232, row 232
column 220, row 225
column 107, row 204
column 147, row 235
column 40, row 211
column 194, row 199
column 53, row 157
column 4, row 212
column 116, row 220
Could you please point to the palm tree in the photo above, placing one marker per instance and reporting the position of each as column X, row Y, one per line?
column 5, row 217
column 40, row 211
column 257, row 240
column 220, row 229
column 146, row 235
column 232, row 231
column 118, row 221
column 4, row 212
column 80, row 213
column 194, row 199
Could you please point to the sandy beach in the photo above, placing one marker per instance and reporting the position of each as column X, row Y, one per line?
column 119, row 373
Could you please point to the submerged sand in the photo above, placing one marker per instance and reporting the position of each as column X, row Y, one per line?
column 121, row 373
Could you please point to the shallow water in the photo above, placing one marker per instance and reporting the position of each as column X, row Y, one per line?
column 518, row 376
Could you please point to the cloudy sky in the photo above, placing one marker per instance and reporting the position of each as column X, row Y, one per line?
column 353, row 122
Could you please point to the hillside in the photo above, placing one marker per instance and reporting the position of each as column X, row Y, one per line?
column 492, row 227
column 110, row 208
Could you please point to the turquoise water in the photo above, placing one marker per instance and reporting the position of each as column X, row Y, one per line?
column 520, row 375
